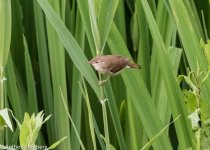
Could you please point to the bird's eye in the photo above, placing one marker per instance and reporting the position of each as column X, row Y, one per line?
column 96, row 61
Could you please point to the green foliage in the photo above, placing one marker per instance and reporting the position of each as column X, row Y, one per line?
column 53, row 146
column 5, row 39
column 207, row 50
column 198, row 108
column 5, row 119
column 50, row 43
column 5, row 31
column 30, row 129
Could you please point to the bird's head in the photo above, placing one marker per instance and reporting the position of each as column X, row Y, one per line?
column 96, row 62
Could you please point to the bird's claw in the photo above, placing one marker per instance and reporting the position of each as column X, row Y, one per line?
column 101, row 82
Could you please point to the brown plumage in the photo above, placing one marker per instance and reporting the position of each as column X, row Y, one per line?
column 112, row 64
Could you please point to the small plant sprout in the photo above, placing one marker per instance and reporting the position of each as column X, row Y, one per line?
column 30, row 129
column 198, row 108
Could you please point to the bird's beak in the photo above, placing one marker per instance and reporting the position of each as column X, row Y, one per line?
column 89, row 62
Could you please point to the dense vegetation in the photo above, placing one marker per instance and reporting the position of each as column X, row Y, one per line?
column 44, row 49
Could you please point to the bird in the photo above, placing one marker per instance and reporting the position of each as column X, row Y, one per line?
column 111, row 65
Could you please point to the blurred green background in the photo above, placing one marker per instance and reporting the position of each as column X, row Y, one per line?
column 44, row 49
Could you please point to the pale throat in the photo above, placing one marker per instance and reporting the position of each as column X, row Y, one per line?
column 99, row 68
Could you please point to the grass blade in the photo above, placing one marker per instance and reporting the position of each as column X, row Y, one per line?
column 71, row 46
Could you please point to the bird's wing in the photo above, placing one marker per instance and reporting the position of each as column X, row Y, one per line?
column 118, row 65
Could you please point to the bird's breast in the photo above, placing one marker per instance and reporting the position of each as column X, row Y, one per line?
column 100, row 68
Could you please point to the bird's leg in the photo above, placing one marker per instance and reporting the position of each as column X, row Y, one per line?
column 103, row 81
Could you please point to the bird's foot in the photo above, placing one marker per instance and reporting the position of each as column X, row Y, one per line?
column 101, row 82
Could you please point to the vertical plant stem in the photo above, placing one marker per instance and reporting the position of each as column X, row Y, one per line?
column 103, row 103
column 198, row 138
column 1, row 87
column 90, row 113
column 2, row 78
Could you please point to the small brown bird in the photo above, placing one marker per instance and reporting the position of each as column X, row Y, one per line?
column 111, row 65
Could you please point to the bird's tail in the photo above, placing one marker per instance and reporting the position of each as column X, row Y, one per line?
column 133, row 65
